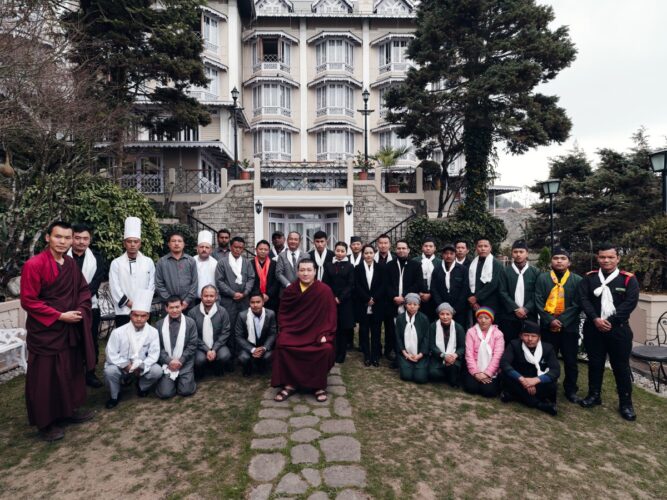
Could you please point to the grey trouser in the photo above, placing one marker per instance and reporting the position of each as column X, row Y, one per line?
column 115, row 376
column 184, row 385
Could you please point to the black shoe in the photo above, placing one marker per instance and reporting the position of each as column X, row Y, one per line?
column 247, row 371
column 376, row 364
column 93, row 381
column 141, row 393
column 367, row 362
column 111, row 403
column 391, row 356
column 591, row 400
column 547, row 407
column 506, row 397
column 628, row 413
column 393, row 365
column 572, row 397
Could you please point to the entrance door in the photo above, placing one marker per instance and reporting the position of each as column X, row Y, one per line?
column 306, row 224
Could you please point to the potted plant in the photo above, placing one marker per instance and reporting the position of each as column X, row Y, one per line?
column 363, row 165
column 387, row 157
column 244, row 174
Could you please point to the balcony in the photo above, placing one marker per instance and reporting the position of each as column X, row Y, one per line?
column 274, row 156
column 334, row 66
column 272, row 110
column 270, row 62
column 335, row 111
column 144, row 183
column 212, row 47
column 338, row 157
column 203, row 95
column 198, row 181
column 397, row 67
column 304, row 176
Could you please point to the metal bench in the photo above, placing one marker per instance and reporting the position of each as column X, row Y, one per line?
column 654, row 353
column 13, row 347
column 107, row 310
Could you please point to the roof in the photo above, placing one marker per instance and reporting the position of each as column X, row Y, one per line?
column 261, row 33
column 334, row 34
column 334, row 78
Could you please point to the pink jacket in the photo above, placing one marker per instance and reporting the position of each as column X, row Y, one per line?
column 497, row 343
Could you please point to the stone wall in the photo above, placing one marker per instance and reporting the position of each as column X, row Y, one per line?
column 374, row 213
column 233, row 209
column 12, row 315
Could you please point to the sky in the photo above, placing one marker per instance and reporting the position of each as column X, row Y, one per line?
column 617, row 83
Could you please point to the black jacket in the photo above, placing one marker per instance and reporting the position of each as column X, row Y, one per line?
column 514, row 360
column 413, row 279
column 100, row 273
column 329, row 257
column 340, row 278
column 272, row 285
column 457, row 297
column 624, row 290
column 377, row 290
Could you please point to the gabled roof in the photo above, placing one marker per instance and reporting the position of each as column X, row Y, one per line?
column 344, row 5
column 334, row 34
column 377, row 5
column 286, row 3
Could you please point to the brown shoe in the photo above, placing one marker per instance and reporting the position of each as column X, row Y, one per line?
column 79, row 416
column 51, row 433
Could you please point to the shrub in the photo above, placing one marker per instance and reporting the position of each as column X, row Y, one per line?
column 647, row 254
column 188, row 236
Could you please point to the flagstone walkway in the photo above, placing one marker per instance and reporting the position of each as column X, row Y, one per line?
column 306, row 448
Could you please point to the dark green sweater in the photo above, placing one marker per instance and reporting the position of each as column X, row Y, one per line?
column 488, row 294
column 508, row 287
column 422, row 327
column 570, row 317
column 436, row 353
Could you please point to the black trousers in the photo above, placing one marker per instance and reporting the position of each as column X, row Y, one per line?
column 567, row 343
column 511, row 328
column 389, row 332
column 617, row 344
column 342, row 336
column 369, row 337
column 472, row 386
column 545, row 392
column 122, row 319
column 94, row 333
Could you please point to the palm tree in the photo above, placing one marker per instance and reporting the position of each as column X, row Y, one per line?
column 387, row 157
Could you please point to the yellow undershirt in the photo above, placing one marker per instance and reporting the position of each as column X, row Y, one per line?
column 303, row 286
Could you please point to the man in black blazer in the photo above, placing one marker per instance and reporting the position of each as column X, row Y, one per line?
column 266, row 281
column 255, row 335
column 530, row 371
column 453, row 290
column 320, row 255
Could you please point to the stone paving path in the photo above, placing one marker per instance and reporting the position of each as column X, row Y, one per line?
column 304, row 448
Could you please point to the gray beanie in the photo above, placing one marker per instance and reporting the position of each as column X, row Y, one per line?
column 412, row 298
column 445, row 307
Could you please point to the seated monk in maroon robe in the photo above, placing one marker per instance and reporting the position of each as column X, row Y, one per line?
column 56, row 297
column 304, row 351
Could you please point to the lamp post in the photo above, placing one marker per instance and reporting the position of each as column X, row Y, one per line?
column 348, row 208
column 258, row 207
column 659, row 166
column 550, row 187
column 235, row 96
column 365, row 95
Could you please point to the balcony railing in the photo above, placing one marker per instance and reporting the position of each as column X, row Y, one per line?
column 303, row 176
column 144, row 183
column 203, row 95
column 396, row 66
column 272, row 110
column 198, row 181
column 334, row 66
column 338, row 157
column 270, row 62
column 274, row 156
column 210, row 46
column 335, row 111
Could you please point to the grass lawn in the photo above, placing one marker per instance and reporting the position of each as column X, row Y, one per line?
column 433, row 441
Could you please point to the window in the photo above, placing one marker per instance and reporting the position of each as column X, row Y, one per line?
column 392, row 7
column 335, row 55
column 272, row 7
column 212, row 74
column 272, row 98
column 271, row 53
column 335, row 145
column 391, row 140
column 188, row 134
column 383, row 106
column 273, row 144
column 393, row 57
column 335, row 99
column 210, row 32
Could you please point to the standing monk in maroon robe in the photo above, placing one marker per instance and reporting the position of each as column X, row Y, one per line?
column 56, row 297
column 304, row 351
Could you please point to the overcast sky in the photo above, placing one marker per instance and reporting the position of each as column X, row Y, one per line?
column 617, row 83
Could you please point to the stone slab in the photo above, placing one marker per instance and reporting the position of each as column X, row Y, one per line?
column 310, row 399
column 341, row 449
column 292, row 484
column 270, row 426
column 352, row 495
column 305, row 454
column 318, row 495
column 275, row 443
column 270, row 393
column 335, row 370
column 342, row 476
column 301, row 409
column 342, row 407
column 306, row 421
column 305, row 435
column 335, row 380
column 338, row 390
column 266, row 466
column 312, row 476
column 274, row 413
column 322, row 412
column 261, row 492
column 270, row 403
column 338, row 426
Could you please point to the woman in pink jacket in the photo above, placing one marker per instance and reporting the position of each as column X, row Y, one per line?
column 484, row 347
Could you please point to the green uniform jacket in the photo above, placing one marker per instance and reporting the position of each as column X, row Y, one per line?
column 488, row 294
column 508, row 287
column 436, row 354
column 422, row 327
column 570, row 317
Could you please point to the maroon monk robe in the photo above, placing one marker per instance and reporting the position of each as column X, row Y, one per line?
column 299, row 358
column 55, row 382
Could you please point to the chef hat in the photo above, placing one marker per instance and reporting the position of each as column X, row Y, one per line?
column 142, row 301
column 205, row 237
column 132, row 228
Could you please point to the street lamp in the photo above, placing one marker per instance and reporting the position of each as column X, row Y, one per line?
column 235, row 96
column 365, row 95
column 348, row 208
column 550, row 187
column 659, row 166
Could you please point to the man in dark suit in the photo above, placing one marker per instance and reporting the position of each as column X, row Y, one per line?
column 462, row 250
column 485, row 274
column 266, row 281
column 449, row 283
column 255, row 335
column 287, row 262
column 530, row 371
column 321, row 255
column 384, row 256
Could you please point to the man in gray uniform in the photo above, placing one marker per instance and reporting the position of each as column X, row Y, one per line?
column 178, row 344
column 176, row 273
column 255, row 336
column 288, row 261
column 235, row 279
column 213, row 330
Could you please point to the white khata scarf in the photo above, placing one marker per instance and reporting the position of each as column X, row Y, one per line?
column 448, row 274
column 377, row 257
column 440, row 338
column 519, row 293
column 410, row 335
column 369, row 279
column 320, row 260
column 427, row 268
column 534, row 359
column 88, row 269
column 607, row 301
column 207, row 328
column 136, row 341
column 401, row 270
column 250, row 325
column 237, row 268
column 178, row 349
column 485, row 352
column 487, row 272
column 355, row 260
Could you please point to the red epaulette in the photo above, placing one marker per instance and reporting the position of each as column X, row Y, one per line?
column 626, row 273
column 594, row 271
column 628, row 277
